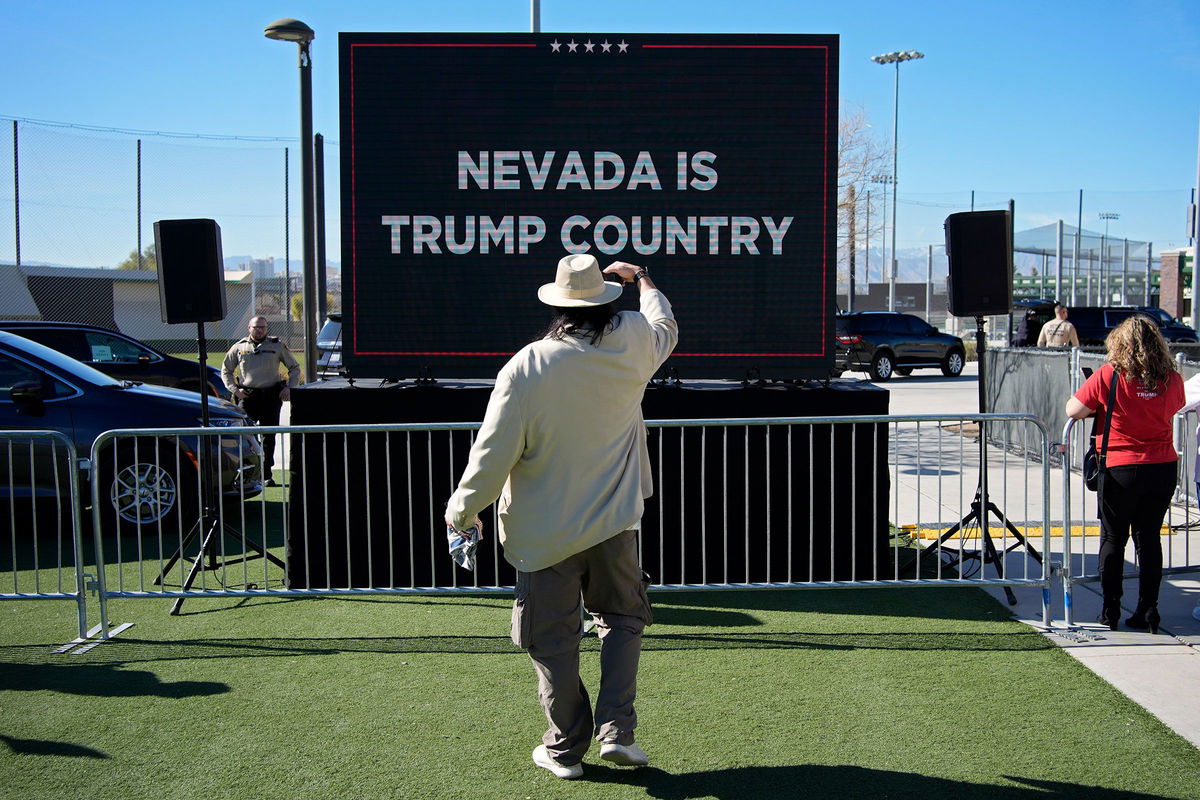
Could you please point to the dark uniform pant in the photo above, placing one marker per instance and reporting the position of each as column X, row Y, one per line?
column 1134, row 498
column 548, row 624
column 262, row 405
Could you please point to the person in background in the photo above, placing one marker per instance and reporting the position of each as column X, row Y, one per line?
column 1058, row 333
column 1023, row 335
column 251, row 373
column 1139, row 476
column 563, row 446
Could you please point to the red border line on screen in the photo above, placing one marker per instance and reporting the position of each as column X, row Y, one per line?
column 398, row 44
column 825, row 190
column 354, row 171
column 825, row 182
column 825, row 338
column 673, row 355
column 354, row 216
column 735, row 47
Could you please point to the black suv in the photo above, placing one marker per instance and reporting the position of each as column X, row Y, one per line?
column 1094, row 323
column 883, row 342
column 118, row 355
column 146, row 482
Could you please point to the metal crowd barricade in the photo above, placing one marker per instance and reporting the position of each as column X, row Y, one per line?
column 798, row 502
column 1181, row 550
column 39, row 478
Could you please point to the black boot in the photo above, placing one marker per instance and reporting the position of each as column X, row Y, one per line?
column 1110, row 614
column 1146, row 616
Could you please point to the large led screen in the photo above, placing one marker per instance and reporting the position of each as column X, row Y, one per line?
column 471, row 163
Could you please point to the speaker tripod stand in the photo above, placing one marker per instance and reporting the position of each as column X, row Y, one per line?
column 981, row 505
column 209, row 527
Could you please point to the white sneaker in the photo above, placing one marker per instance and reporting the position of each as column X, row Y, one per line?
column 625, row 755
column 543, row 760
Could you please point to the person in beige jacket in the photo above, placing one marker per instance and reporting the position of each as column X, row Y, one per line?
column 1058, row 333
column 563, row 447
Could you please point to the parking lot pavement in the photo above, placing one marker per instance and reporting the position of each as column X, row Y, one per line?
column 928, row 389
column 1159, row 672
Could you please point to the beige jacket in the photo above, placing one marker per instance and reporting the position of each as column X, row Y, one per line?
column 1058, row 333
column 563, row 444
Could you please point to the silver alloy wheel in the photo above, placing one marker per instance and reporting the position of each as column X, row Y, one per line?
column 881, row 367
column 954, row 363
column 143, row 493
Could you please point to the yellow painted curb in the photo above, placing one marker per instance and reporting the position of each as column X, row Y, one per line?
column 930, row 533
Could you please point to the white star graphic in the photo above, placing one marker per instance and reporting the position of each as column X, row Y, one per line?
column 572, row 46
column 605, row 46
column 623, row 46
column 556, row 46
column 589, row 46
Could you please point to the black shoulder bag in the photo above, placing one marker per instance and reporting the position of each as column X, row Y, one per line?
column 1093, row 464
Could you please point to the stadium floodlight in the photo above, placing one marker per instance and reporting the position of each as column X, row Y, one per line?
column 1108, row 216
column 897, row 58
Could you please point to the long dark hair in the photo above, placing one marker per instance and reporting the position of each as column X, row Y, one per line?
column 593, row 321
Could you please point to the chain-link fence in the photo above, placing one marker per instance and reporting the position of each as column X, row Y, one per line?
column 76, row 196
column 1105, row 258
column 81, row 203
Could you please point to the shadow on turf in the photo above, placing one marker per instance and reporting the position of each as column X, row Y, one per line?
column 734, row 607
column 844, row 782
column 664, row 614
column 127, row 650
column 39, row 747
column 99, row 680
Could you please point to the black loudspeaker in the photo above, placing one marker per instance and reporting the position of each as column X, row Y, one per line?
column 191, row 270
column 979, row 248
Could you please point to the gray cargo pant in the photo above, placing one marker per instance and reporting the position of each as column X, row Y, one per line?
column 547, row 623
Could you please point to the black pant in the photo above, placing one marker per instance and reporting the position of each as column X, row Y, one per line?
column 1134, row 497
column 262, row 405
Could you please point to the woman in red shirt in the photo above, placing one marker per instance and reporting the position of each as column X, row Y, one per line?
column 1139, row 476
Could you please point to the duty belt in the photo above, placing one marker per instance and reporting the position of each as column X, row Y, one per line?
column 275, row 387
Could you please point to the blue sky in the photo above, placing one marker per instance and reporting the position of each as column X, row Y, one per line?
column 1014, row 99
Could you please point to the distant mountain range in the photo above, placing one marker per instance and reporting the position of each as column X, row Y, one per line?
column 913, row 265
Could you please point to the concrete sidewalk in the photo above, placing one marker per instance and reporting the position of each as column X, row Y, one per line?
column 1159, row 672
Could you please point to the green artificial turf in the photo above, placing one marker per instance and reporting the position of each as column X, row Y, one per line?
column 923, row 693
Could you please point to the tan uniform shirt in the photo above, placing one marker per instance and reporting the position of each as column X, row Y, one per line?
column 1058, row 333
column 257, row 364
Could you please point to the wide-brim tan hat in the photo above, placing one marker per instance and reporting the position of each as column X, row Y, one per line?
column 579, row 282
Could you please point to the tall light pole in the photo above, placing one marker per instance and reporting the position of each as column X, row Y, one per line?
column 293, row 30
column 1106, row 277
column 867, row 249
column 896, row 58
column 886, row 180
column 1108, row 216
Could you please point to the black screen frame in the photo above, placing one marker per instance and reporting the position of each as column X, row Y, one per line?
column 408, row 100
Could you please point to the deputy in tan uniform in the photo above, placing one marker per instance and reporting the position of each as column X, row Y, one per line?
column 1059, row 333
column 251, row 373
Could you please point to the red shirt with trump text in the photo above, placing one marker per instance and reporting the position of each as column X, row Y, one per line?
column 1141, row 428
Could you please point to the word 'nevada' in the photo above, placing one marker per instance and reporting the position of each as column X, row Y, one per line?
column 610, row 234
column 501, row 169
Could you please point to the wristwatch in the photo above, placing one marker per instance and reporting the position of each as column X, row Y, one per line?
column 637, row 276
